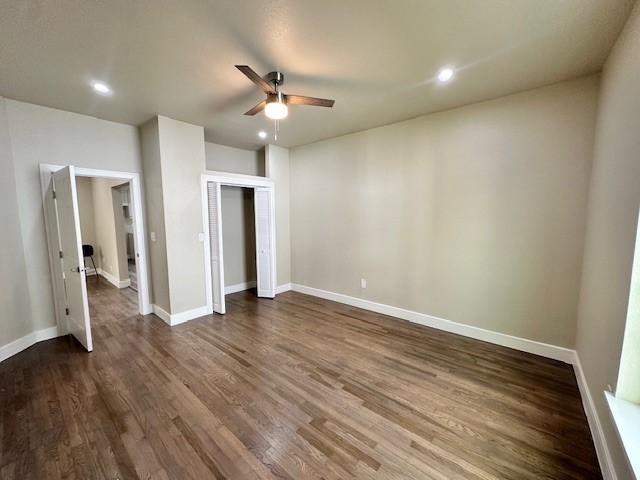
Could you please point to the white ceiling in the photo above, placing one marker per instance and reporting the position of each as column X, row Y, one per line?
column 376, row 58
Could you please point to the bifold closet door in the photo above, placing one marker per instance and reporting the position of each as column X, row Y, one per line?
column 265, row 242
column 73, row 271
column 215, row 240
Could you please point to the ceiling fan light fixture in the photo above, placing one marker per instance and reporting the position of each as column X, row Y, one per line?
column 276, row 105
column 276, row 109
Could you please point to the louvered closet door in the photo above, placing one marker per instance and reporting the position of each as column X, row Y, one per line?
column 265, row 242
column 215, row 239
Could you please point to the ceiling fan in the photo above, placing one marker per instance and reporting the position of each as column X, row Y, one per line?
column 275, row 106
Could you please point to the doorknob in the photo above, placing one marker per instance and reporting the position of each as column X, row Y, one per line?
column 78, row 269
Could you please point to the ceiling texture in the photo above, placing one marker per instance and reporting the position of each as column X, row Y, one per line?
column 376, row 58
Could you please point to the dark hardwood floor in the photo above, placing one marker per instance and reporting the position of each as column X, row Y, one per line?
column 291, row 388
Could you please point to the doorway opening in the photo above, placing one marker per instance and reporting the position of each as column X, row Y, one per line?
column 106, row 235
column 261, row 190
column 95, row 236
column 238, row 238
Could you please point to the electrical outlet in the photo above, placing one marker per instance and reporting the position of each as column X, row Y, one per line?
column 153, row 236
column 363, row 283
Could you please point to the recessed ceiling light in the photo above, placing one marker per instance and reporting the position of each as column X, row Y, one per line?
column 262, row 134
column 445, row 75
column 101, row 88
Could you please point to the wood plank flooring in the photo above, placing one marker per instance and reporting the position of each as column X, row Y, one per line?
column 292, row 388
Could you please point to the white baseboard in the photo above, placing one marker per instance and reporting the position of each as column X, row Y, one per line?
column 283, row 288
column 173, row 319
column 25, row 342
column 113, row 280
column 177, row 318
column 599, row 440
column 239, row 287
column 531, row 346
column 162, row 313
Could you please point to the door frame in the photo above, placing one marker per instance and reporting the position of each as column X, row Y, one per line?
column 232, row 180
column 139, row 236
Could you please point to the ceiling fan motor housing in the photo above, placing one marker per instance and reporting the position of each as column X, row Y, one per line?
column 276, row 78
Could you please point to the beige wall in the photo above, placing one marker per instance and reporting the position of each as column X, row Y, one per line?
column 238, row 235
column 221, row 158
column 111, row 253
column 475, row 215
column 16, row 318
column 612, row 225
column 121, row 228
column 278, row 169
column 46, row 135
column 87, row 216
column 174, row 159
column 183, row 161
column 150, row 146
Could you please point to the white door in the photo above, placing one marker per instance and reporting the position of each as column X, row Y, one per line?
column 51, row 219
column 265, row 242
column 215, row 240
column 75, row 284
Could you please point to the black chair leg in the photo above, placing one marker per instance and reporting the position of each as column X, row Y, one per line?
column 94, row 268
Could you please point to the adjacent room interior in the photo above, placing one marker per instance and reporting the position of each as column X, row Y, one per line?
column 320, row 240
column 106, row 227
column 106, row 234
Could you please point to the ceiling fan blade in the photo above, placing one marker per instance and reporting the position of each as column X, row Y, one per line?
column 265, row 86
column 257, row 109
column 302, row 100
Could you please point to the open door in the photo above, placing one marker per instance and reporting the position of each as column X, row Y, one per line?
column 53, row 236
column 265, row 242
column 73, row 271
column 215, row 240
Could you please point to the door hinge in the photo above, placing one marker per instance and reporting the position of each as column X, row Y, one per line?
column 54, row 194
column 66, row 310
column 60, row 253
